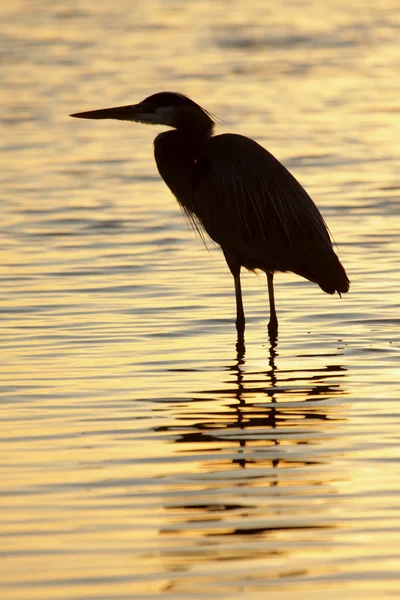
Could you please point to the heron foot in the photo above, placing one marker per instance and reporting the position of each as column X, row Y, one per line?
column 273, row 329
column 240, row 349
column 240, row 324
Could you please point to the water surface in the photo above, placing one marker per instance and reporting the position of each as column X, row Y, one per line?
column 141, row 456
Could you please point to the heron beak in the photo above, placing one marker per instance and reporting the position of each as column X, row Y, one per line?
column 135, row 112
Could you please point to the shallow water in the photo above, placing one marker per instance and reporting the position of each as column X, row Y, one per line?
column 141, row 457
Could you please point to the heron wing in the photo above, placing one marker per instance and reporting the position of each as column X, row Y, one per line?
column 250, row 204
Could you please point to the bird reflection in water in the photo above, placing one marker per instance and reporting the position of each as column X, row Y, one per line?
column 269, row 420
column 283, row 399
column 268, row 417
column 252, row 481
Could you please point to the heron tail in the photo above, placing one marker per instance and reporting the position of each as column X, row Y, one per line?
column 334, row 278
column 325, row 269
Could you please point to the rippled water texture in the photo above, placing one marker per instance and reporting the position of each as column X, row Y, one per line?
column 140, row 456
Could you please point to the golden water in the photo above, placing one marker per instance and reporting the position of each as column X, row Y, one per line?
column 140, row 457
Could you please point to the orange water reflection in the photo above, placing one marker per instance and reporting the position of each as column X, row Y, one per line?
column 141, row 456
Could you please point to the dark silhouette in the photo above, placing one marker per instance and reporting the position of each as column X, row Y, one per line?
column 242, row 196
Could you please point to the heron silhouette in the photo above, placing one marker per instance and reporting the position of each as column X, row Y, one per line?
column 240, row 194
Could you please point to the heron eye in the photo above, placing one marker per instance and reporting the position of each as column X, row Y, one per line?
column 165, row 110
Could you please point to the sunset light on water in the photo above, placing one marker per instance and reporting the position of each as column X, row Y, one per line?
column 142, row 455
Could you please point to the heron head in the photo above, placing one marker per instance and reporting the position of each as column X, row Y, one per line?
column 165, row 108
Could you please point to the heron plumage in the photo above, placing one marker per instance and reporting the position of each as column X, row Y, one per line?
column 271, row 223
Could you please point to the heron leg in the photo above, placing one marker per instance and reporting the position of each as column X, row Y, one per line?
column 234, row 268
column 240, row 320
column 273, row 320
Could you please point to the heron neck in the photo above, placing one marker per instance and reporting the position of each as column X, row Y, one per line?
column 198, row 127
column 185, row 143
column 175, row 152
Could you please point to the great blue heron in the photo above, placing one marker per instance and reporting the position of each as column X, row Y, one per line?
column 240, row 194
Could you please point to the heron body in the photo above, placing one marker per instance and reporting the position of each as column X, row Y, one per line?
column 243, row 197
